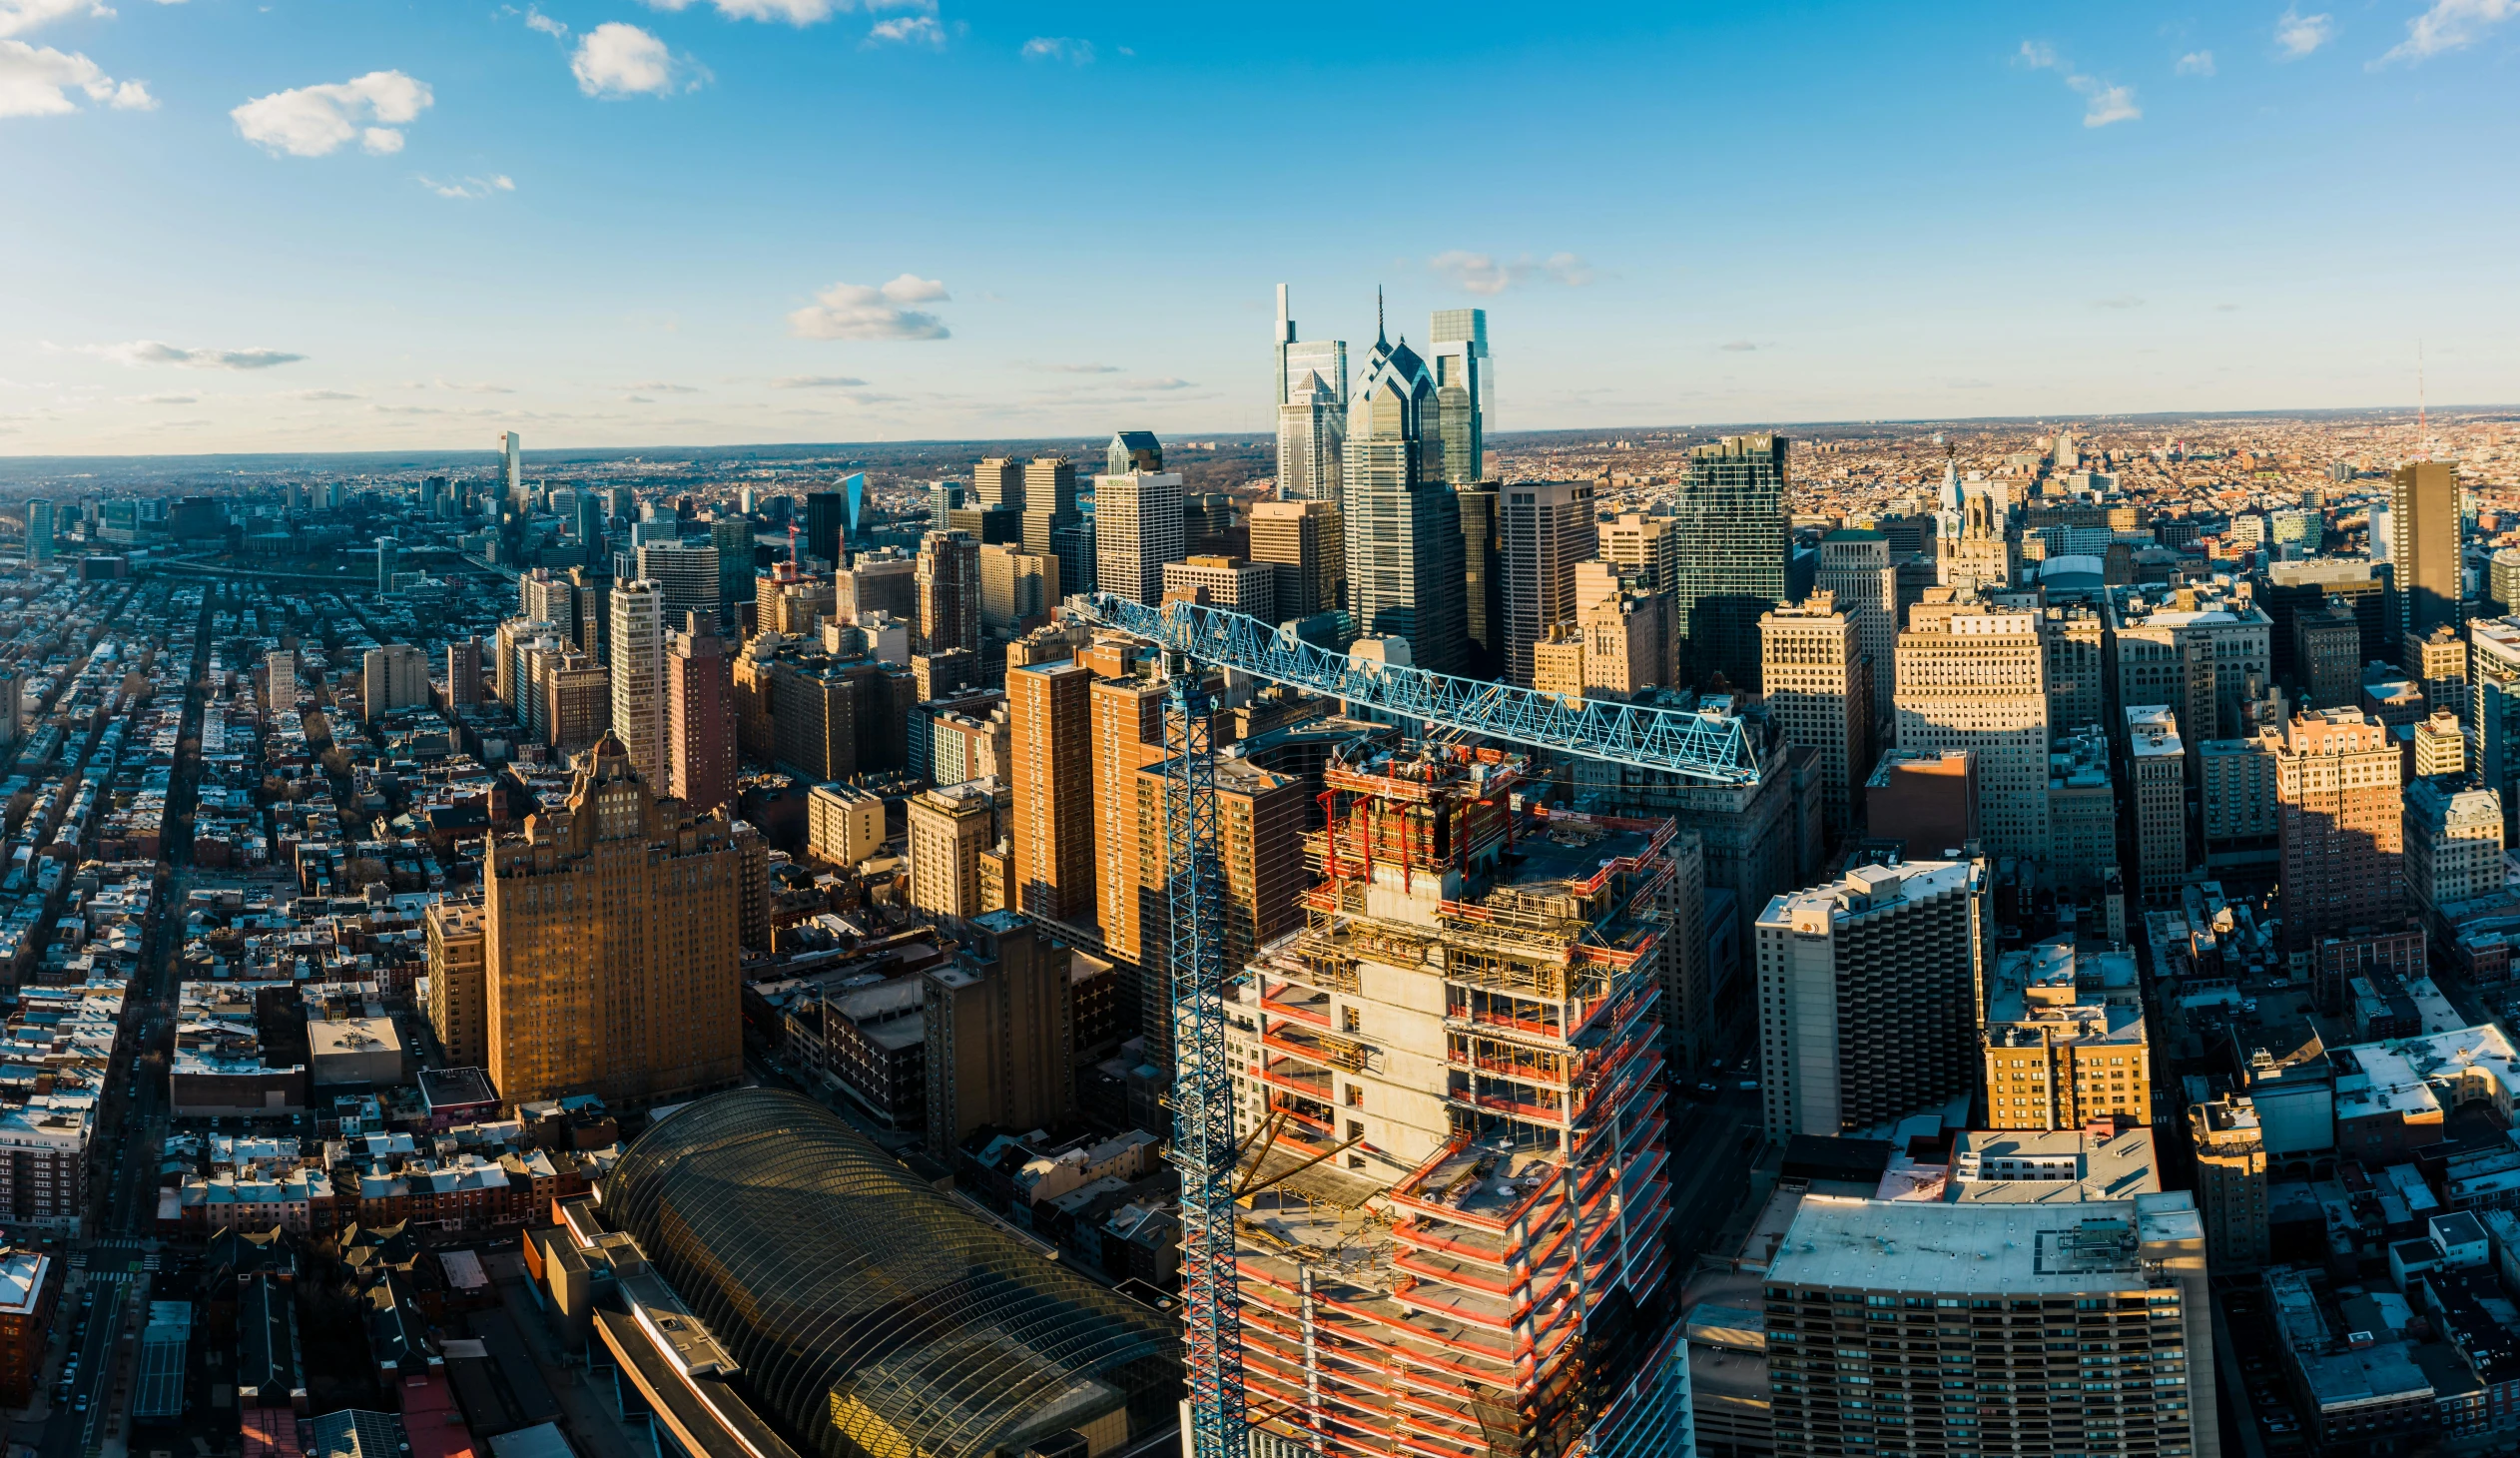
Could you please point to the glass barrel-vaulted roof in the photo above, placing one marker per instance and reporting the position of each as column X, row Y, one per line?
column 872, row 1315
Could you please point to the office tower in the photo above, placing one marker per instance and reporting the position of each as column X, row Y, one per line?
column 2441, row 746
column 39, row 530
column 611, row 946
column 638, row 678
column 1137, row 528
column 824, row 515
column 1620, row 645
column 699, row 717
column 2082, row 811
column 2340, row 822
column 1971, row 678
column 1049, row 738
column 458, row 996
column 1249, row 588
column 575, row 694
column 433, row 491
column 1465, row 394
column 1312, row 406
column 2070, row 635
column 1306, row 549
column 2231, row 1153
column 393, row 677
column 883, row 581
column 2437, row 661
column 1856, row 571
column 1869, row 989
column 1730, row 541
column 844, row 824
column 948, row 579
column 1483, row 580
column 998, row 482
column 2423, row 532
column 1000, row 1043
column 1819, row 682
column 1405, row 554
column 511, row 474
column 733, row 538
column 2001, row 1307
column 949, row 828
column 2453, row 842
column 1645, row 547
column 1482, row 1104
column 1133, row 452
column 1543, row 528
column 463, row 672
column 687, row 575
column 2058, row 1057
column 2160, row 802
column 1019, row 588
column 1052, row 525
column 2328, row 649
column 1128, row 718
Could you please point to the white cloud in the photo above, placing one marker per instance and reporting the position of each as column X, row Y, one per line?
column 817, row 382
column 662, row 387
column 157, row 352
column 536, row 20
column 1079, row 368
column 868, row 312
column 1060, row 48
column 615, row 59
column 2103, row 102
column 36, row 81
column 467, row 187
column 1738, row 346
column 2449, row 25
column 920, row 30
column 321, row 395
column 2296, row 35
column 794, row 12
column 463, row 387
column 159, row 400
column 1485, row 273
column 312, row 120
column 1168, row 381
column 2196, row 62
column 2117, row 300
column 20, row 16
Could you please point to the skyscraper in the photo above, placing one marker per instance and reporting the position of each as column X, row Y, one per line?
column 1128, row 735
column 948, row 827
column 1465, row 395
column 1052, row 522
column 1137, row 528
column 1730, row 533
column 1819, row 688
column 1868, row 992
column 39, row 530
column 1482, row 586
column 1543, row 528
column 463, row 672
column 824, row 512
column 2339, row 819
column 733, row 538
column 1053, row 786
column 1307, row 553
column 591, row 525
column 638, row 678
column 687, row 575
column 611, row 945
column 1974, row 680
column 395, row 676
column 512, row 473
column 1312, row 401
column 1857, row 574
column 2424, row 548
column 998, row 482
column 700, row 717
column 1403, row 521
column 948, row 592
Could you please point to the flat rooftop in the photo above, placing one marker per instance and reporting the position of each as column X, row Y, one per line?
column 2050, row 1167
column 1994, row 1249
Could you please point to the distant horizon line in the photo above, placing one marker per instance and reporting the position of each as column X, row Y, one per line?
column 1256, row 436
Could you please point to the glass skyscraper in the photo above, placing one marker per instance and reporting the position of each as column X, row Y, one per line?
column 1464, row 392
column 39, row 530
column 1404, row 525
column 1312, row 398
column 1732, row 535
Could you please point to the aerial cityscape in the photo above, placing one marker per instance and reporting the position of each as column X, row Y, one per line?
column 1474, row 854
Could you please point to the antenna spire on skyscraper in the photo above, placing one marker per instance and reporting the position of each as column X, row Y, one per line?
column 1380, row 337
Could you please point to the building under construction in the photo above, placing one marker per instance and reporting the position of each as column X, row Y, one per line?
column 1452, row 1190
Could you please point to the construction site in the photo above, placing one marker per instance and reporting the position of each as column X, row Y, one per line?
column 1450, row 1183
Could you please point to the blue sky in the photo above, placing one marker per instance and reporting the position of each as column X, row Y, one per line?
column 667, row 222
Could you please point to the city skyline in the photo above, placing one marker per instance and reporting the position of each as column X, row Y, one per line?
column 299, row 228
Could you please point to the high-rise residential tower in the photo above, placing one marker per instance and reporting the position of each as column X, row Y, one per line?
column 948, row 592
column 1312, row 404
column 2339, row 819
column 395, row 676
column 1137, row 528
column 611, row 942
column 463, row 672
column 1730, row 539
column 2424, row 561
column 1403, row 522
column 638, row 678
column 39, row 530
column 1543, row 528
column 1464, row 394
column 700, row 717
column 1052, row 784
column 733, row 538
column 1869, row 991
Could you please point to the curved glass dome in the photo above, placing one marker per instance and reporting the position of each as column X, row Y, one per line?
column 872, row 1314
